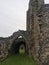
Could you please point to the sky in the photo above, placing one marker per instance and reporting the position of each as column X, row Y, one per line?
column 13, row 16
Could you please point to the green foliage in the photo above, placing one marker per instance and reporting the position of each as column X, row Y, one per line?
column 20, row 59
column 22, row 51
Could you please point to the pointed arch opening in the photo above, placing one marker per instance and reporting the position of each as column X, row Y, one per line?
column 19, row 45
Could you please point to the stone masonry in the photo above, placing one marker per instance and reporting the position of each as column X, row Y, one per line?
column 36, row 36
column 38, row 25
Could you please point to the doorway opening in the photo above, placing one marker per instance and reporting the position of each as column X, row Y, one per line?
column 19, row 46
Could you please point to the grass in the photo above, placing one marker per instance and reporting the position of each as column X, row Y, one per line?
column 19, row 59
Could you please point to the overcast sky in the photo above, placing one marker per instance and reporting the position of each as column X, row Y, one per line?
column 13, row 16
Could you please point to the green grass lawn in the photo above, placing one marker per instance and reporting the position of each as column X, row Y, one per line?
column 20, row 59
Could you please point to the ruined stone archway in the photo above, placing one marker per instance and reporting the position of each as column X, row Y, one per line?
column 13, row 42
column 19, row 37
column 17, row 43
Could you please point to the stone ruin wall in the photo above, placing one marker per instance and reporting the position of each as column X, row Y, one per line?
column 3, row 49
column 44, row 41
column 39, row 26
